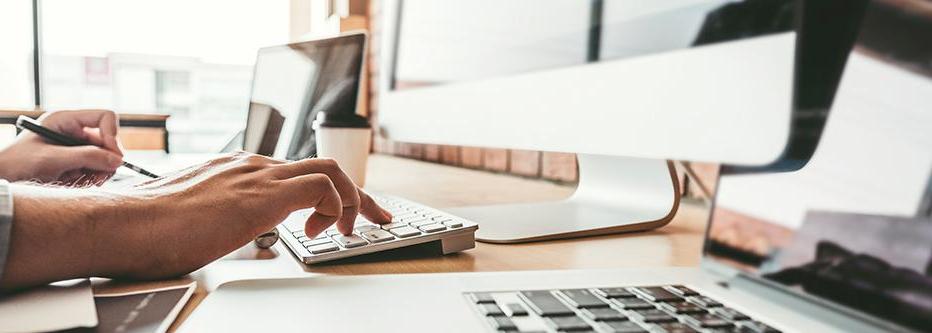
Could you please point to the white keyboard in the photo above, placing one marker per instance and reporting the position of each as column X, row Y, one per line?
column 412, row 224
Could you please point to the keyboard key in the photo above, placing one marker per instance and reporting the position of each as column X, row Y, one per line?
column 432, row 228
column 314, row 242
column 404, row 232
column 479, row 298
column 568, row 324
column 423, row 222
column 623, row 327
column 652, row 316
column 490, row 309
column 350, row 241
column 389, row 226
column 515, row 309
column 298, row 234
column 377, row 236
column 682, row 307
column 604, row 314
column 323, row 248
column 582, row 298
column 633, row 303
column 502, row 323
column 705, row 301
column 707, row 321
column 453, row 224
column 615, row 292
column 303, row 239
column 657, row 294
column 730, row 314
column 365, row 228
column 333, row 232
column 545, row 304
column 682, row 290
column 675, row 328
column 757, row 327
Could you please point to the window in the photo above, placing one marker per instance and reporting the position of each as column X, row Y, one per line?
column 189, row 59
column 16, row 70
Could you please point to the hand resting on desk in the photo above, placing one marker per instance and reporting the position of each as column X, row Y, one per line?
column 175, row 224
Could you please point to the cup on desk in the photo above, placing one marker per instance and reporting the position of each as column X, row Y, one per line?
column 346, row 138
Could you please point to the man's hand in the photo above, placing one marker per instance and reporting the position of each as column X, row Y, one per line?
column 178, row 223
column 31, row 157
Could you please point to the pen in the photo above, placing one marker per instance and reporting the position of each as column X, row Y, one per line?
column 27, row 123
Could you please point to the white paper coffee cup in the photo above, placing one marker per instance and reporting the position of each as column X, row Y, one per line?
column 346, row 138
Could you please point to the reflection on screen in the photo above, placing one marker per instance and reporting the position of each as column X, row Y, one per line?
column 301, row 79
column 854, row 224
column 449, row 41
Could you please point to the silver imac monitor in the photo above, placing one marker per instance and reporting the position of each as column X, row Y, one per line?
column 626, row 84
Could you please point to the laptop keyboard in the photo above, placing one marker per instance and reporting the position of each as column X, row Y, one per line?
column 412, row 223
column 671, row 308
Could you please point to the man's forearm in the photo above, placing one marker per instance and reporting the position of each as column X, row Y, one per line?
column 56, row 233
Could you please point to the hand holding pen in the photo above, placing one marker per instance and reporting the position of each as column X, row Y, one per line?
column 33, row 157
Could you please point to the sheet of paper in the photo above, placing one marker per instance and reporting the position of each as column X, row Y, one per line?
column 59, row 306
column 145, row 311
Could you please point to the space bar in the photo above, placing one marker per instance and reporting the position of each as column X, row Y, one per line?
column 545, row 304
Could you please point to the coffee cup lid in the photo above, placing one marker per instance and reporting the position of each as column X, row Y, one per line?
column 340, row 120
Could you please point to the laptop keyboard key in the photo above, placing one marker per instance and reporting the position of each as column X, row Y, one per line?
column 707, row 321
column 480, row 298
column 377, row 236
column 490, row 309
column 569, row 324
column 731, row 314
column 652, row 316
column 582, row 298
column 682, row 290
column 633, row 303
column 705, row 301
column 350, row 241
column 516, row 310
column 623, row 327
column 615, row 292
column 502, row 323
column 604, row 314
column 675, row 328
column 658, row 294
column 682, row 307
column 757, row 327
column 545, row 304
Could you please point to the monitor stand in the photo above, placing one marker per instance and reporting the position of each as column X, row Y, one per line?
column 615, row 194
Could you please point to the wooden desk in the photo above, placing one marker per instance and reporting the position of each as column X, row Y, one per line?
column 677, row 244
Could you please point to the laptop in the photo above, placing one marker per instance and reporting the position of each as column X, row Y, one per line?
column 837, row 240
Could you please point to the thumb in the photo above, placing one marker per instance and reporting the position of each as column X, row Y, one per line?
column 90, row 157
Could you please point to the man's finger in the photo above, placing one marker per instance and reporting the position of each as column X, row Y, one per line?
column 74, row 122
column 317, row 191
column 345, row 187
column 88, row 157
column 372, row 211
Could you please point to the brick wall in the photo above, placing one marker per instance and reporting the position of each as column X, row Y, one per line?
column 557, row 167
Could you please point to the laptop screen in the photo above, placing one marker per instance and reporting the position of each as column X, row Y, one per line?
column 850, row 224
column 293, row 82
